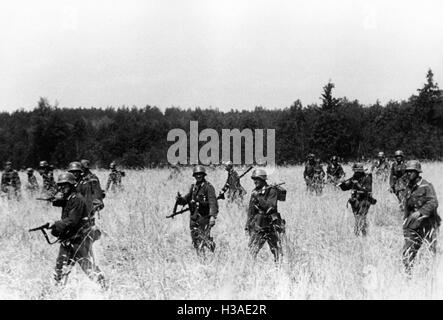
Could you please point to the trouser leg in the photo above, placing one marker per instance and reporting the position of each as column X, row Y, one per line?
column 85, row 257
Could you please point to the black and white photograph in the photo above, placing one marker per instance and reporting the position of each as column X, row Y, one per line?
column 220, row 150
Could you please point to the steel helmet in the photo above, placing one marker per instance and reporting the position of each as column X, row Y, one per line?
column 8, row 163
column 198, row 169
column 358, row 167
column 85, row 163
column 29, row 170
column 413, row 165
column 75, row 166
column 66, row 177
column 112, row 165
column 43, row 163
column 311, row 156
column 259, row 174
column 381, row 154
column 398, row 153
column 334, row 158
column 228, row 164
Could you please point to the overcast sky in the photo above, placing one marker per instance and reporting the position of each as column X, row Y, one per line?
column 225, row 54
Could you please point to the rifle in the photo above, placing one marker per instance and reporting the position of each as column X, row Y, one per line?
column 49, row 199
column 42, row 229
column 174, row 211
column 221, row 195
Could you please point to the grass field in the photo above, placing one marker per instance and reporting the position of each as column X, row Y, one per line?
column 146, row 256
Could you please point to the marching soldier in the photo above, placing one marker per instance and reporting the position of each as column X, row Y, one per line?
column 361, row 196
column 115, row 178
column 232, row 185
column 334, row 171
column 87, row 189
column 32, row 185
column 397, row 179
column 381, row 166
column 421, row 220
column 10, row 183
column 47, row 173
column 203, row 205
column 74, row 232
column 87, row 175
column 264, row 223
column 308, row 173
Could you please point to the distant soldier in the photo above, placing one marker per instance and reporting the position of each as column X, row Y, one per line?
column 334, row 171
column 74, row 231
column 361, row 196
column 308, row 173
column 264, row 222
column 314, row 174
column 232, row 186
column 175, row 171
column 421, row 220
column 381, row 167
column 32, row 185
column 397, row 179
column 203, row 205
column 10, row 184
column 84, row 186
column 47, row 173
column 115, row 178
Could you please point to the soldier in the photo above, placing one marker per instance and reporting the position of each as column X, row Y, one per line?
column 115, row 178
column 74, row 232
column 264, row 223
column 47, row 173
column 32, row 185
column 232, row 185
column 361, row 196
column 84, row 186
column 203, row 205
column 10, row 183
column 334, row 171
column 421, row 220
column 308, row 173
column 381, row 166
column 397, row 179
column 92, row 179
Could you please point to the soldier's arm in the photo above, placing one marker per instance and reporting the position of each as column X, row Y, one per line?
column 392, row 177
column 108, row 183
column 75, row 211
column 431, row 202
column 187, row 198
column 212, row 201
column 17, row 181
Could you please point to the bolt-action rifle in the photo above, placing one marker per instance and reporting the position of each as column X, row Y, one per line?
column 43, row 228
column 174, row 211
column 221, row 195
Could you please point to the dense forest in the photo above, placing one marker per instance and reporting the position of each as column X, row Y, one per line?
column 136, row 137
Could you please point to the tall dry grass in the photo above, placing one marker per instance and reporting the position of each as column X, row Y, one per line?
column 146, row 256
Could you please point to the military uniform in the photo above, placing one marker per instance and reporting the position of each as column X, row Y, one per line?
column 114, row 180
column 11, row 182
column 334, row 172
column 397, row 179
column 421, row 198
column 314, row 175
column 202, row 201
column 32, row 183
column 89, row 188
column 361, row 199
column 264, row 223
column 49, row 184
column 381, row 168
column 233, row 187
column 74, row 232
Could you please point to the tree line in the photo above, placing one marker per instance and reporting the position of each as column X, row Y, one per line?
column 136, row 137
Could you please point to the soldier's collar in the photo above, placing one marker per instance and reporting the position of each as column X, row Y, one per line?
column 419, row 182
